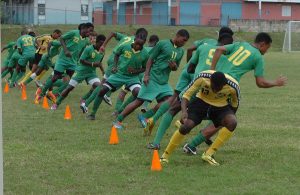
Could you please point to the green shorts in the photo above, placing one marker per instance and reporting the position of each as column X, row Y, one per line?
column 14, row 60
column 78, row 77
column 63, row 64
column 154, row 91
column 45, row 62
column 116, row 81
column 184, row 80
column 24, row 59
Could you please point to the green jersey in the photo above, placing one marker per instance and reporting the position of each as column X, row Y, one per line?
column 148, row 49
column 131, row 58
column 55, row 48
column 164, row 52
column 10, row 48
column 203, row 57
column 26, row 43
column 205, row 41
column 75, row 44
column 90, row 54
column 243, row 58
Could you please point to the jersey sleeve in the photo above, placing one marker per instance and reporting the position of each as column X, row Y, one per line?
column 156, row 50
column 10, row 44
column 195, row 57
column 19, row 43
column 86, row 54
column 120, row 36
column 259, row 67
column 145, row 59
column 69, row 35
column 102, row 56
column 193, row 88
column 198, row 43
column 179, row 58
column 235, row 98
column 119, row 50
column 55, row 43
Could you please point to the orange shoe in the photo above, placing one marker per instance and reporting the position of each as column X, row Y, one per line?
column 51, row 96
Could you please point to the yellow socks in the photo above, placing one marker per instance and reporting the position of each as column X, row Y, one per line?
column 223, row 136
column 176, row 139
column 41, row 75
column 26, row 77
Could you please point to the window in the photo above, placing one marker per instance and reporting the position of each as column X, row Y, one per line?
column 286, row 10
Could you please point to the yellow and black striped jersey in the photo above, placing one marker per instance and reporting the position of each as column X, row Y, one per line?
column 230, row 93
column 43, row 40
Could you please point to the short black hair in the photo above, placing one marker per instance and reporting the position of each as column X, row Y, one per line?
column 263, row 37
column 100, row 38
column 225, row 29
column 80, row 26
column 24, row 32
column 31, row 33
column 219, row 79
column 143, row 32
column 153, row 39
column 57, row 31
column 183, row 33
column 225, row 38
column 88, row 25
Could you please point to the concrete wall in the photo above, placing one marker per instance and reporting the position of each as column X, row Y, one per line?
column 257, row 25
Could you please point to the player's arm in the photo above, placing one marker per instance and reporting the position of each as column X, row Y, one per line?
column 175, row 64
column 19, row 46
column 154, row 54
column 261, row 82
column 193, row 62
column 116, row 35
column 4, row 48
column 84, row 58
column 219, row 51
column 38, row 42
column 68, row 35
column 235, row 99
column 189, row 52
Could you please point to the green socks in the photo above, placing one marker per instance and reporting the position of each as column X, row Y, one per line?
column 93, row 96
column 163, row 126
column 87, row 95
column 162, row 109
column 97, row 103
column 197, row 140
column 149, row 113
column 128, row 101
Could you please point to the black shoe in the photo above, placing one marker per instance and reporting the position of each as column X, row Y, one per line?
column 152, row 146
column 189, row 150
column 208, row 142
column 90, row 117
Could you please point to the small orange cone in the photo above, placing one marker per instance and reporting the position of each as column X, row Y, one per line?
column 155, row 166
column 24, row 96
column 6, row 88
column 45, row 103
column 114, row 139
column 68, row 114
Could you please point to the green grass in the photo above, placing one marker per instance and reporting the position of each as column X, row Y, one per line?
column 45, row 154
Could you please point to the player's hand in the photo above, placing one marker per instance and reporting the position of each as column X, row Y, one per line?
column 184, row 116
column 68, row 54
column 97, row 64
column 114, row 69
column 146, row 79
column 43, row 47
column 131, row 70
column 281, row 81
column 102, row 49
column 173, row 65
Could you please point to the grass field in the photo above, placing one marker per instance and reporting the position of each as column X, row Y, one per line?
column 45, row 154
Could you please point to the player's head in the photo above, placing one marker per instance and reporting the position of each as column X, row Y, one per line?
column 100, row 40
column 226, row 30
column 80, row 25
column 92, row 37
column 225, row 39
column 182, row 36
column 141, row 31
column 31, row 33
column 56, row 34
column 153, row 40
column 139, row 42
column 23, row 32
column 263, row 42
column 217, row 81
column 90, row 27
column 84, row 30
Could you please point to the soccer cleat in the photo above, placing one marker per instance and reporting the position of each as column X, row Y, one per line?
column 38, row 83
column 149, row 127
column 83, row 108
column 208, row 142
column 189, row 150
column 164, row 160
column 178, row 124
column 144, row 109
column 91, row 117
column 153, row 146
column 142, row 120
column 209, row 159
column 54, row 107
column 107, row 100
column 82, row 101
column 118, row 125
column 115, row 114
column 51, row 97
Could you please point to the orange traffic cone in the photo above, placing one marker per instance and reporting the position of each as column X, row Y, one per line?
column 24, row 96
column 45, row 103
column 6, row 88
column 155, row 166
column 68, row 114
column 113, row 136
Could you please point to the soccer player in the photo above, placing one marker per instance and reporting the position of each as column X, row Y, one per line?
column 243, row 57
column 212, row 89
column 130, row 61
column 164, row 58
column 73, row 42
column 200, row 61
column 26, row 49
column 89, row 60
column 42, row 48
column 10, row 47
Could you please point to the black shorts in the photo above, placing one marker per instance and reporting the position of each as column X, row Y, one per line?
column 199, row 110
column 37, row 58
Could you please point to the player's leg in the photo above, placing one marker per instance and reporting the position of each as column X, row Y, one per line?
column 120, row 98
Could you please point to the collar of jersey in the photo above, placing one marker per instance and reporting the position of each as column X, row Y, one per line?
column 175, row 46
column 135, row 51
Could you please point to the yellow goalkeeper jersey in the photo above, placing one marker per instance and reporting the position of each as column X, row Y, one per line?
column 230, row 93
column 43, row 40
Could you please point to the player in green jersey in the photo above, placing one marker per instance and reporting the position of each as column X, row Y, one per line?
column 72, row 42
column 90, row 59
column 164, row 58
column 26, row 49
column 200, row 61
column 10, row 47
column 130, row 61
column 243, row 57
